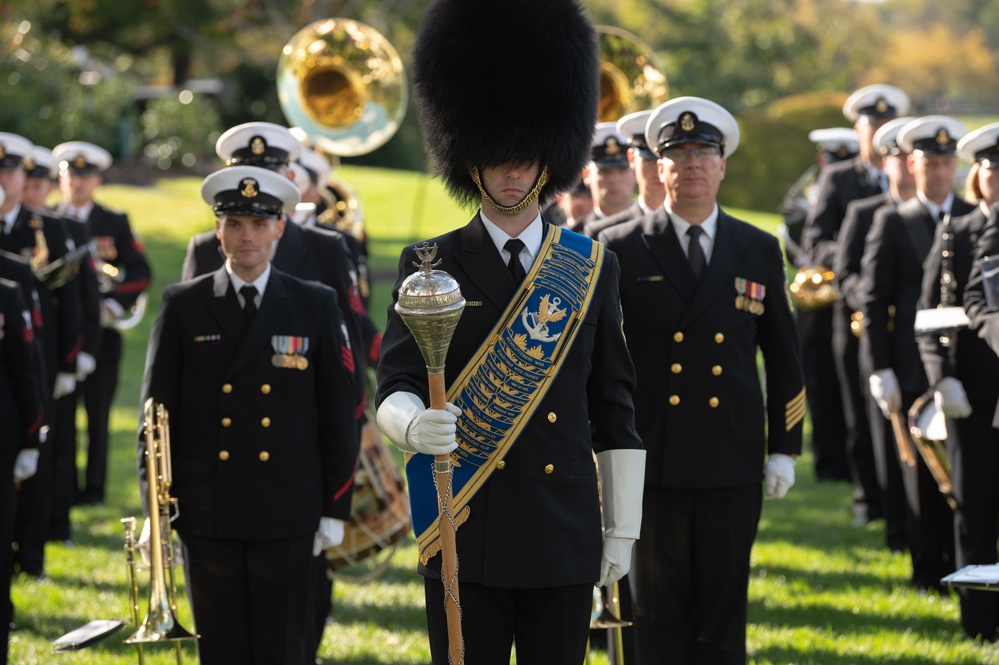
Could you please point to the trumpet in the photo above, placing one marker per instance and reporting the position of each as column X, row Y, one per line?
column 109, row 277
column 160, row 624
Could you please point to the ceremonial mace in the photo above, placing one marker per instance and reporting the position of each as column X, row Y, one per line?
column 430, row 305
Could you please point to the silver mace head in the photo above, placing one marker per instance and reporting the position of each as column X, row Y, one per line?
column 430, row 304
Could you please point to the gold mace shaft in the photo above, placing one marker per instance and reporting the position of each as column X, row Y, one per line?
column 430, row 304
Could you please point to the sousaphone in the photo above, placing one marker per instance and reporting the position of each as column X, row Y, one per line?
column 631, row 76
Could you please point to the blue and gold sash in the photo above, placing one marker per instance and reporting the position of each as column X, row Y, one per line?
column 508, row 376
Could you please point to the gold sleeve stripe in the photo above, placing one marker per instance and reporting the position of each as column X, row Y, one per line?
column 794, row 412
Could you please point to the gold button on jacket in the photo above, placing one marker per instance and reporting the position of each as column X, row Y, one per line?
column 500, row 465
column 713, row 402
column 678, row 337
column 552, row 417
column 264, row 455
column 265, row 389
column 549, row 468
column 676, row 368
column 226, row 422
column 716, row 370
column 223, row 455
column 227, row 388
column 265, row 422
column 719, row 338
column 674, row 399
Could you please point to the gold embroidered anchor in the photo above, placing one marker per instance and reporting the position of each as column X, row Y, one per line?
column 537, row 323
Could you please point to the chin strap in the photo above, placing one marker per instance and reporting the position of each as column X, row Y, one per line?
column 510, row 210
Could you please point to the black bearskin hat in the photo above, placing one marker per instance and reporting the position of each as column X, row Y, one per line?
column 495, row 80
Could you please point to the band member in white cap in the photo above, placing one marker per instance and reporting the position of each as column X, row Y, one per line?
column 963, row 376
column 78, row 264
column 43, row 241
column 840, row 436
column 702, row 293
column 116, row 245
column 21, row 419
column 854, row 363
column 892, row 271
column 608, row 174
column 507, row 92
column 643, row 163
column 247, row 362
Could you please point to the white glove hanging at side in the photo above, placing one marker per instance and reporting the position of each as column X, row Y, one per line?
column 779, row 476
column 26, row 464
column 885, row 391
column 622, row 484
column 65, row 384
column 950, row 398
column 330, row 533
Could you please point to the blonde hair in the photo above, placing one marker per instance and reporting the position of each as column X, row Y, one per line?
column 972, row 190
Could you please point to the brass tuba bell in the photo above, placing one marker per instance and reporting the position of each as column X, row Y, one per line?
column 631, row 77
column 344, row 84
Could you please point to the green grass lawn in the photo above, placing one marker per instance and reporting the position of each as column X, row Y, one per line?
column 822, row 590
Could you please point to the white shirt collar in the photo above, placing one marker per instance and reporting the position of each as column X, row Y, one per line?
column 260, row 283
column 709, row 226
column 531, row 237
column 10, row 218
column 82, row 213
column 934, row 208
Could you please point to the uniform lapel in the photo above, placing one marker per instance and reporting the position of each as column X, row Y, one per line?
column 482, row 263
column 718, row 276
column 919, row 227
column 290, row 249
column 275, row 307
column 660, row 237
column 225, row 307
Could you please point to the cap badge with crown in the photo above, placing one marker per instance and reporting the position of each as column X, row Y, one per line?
column 249, row 188
column 687, row 121
column 258, row 145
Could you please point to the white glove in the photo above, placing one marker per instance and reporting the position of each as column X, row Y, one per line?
column 142, row 544
column 622, row 483
column 65, row 384
column 111, row 311
column 26, row 464
column 416, row 429
column 85, row 365
column 950, row 398
column 616, row 560
column 885, row 391
column 779, row 476
column 330, row 533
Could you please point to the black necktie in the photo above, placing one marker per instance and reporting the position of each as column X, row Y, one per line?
column 695, row 253
column 249, row 293
column 515, row 267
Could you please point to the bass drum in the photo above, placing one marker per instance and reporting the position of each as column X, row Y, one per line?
column 379, row 514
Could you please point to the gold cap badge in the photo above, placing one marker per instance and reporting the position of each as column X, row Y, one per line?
column 612, row 147
column 942, row 136
column 881, row 105
column 258, row 145
column 80, row 161
column 249, row 188
column 687, row 122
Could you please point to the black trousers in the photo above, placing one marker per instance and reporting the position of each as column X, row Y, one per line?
column 825, row 402
column 8, row 497
column 251, row 599
column 690, row 579
column 887, row 463
column 931, row 532
column 974, row 457
column 98, row 393
column 549, row 626
column 853, row 394
column 62, row 438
